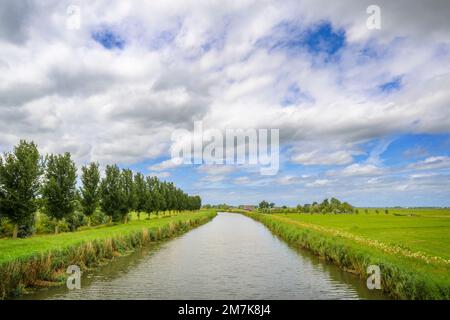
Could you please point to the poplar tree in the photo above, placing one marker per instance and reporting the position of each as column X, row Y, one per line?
column 141, row 191
column 112, row 198
column 59, row 189
column 127, row 185
column 19, row 184
column 90, row 190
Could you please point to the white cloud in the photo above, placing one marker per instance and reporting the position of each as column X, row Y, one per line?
column 432, row 163
column 288, row 180
column 201, row 60
column 358, row 169
column 319, row 183
column 164, row 165
column 319, row 157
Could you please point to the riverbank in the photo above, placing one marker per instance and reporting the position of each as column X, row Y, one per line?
column 42, row 260
column 406, row 273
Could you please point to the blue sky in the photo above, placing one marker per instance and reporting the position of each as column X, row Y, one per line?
column 363, row 115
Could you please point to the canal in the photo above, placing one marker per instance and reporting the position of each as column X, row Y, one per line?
column 231, row 257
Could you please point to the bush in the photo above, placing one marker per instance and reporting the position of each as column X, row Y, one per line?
column 25, row 230
column 98, row 218
column 6, row 228
column 46, row 225
column 76, row 220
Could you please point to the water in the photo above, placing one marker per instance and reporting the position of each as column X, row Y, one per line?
column 231, row 257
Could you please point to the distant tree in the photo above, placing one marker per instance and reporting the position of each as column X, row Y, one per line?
column 90, row 189
column 272, row 205
column 19, row 184
column 59, row 189
column 335, row 205
column 324, row 207
column 264, row 205
column 366, row 211
column 346, row 207
column 306, row 208
column 386, row 211
column 314, row 207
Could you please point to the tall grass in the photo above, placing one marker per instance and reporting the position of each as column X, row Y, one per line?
column 401, row 277
column 49, row 267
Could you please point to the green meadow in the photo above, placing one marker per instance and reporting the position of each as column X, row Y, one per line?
column 412, row 247
column 435, row 212
column 427, row 231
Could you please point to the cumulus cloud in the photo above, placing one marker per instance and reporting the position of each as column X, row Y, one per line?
column 246, row 64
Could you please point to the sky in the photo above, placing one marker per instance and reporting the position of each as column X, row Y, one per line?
column 363, row 114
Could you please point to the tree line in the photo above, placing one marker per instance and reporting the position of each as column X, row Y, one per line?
column 332, row 205
column 29, row 181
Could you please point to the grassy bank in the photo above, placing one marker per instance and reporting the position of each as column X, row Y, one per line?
column 412, row 252
column 42, row 260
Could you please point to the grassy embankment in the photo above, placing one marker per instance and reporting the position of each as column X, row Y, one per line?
column 42, row 260
column 413, row 251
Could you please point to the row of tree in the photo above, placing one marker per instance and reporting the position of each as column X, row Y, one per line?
column 29, row 182
column 327, row 206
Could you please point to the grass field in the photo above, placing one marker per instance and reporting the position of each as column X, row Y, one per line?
column 413, row 251
column 435, row 212
column 428, row 233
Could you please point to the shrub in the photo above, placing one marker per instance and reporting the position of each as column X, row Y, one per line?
column 98, row 218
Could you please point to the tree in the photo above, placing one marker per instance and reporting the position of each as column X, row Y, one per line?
column 306, row 208
column 335, row 205
column 194, row 203
column 127, row 185
column 141, row 191
column 112, row 197
column 346, row 207
column 19, row 184
column 264, row 205
column 90, row 190
column 324, row 207
column 59, row 190
column 161, row 193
